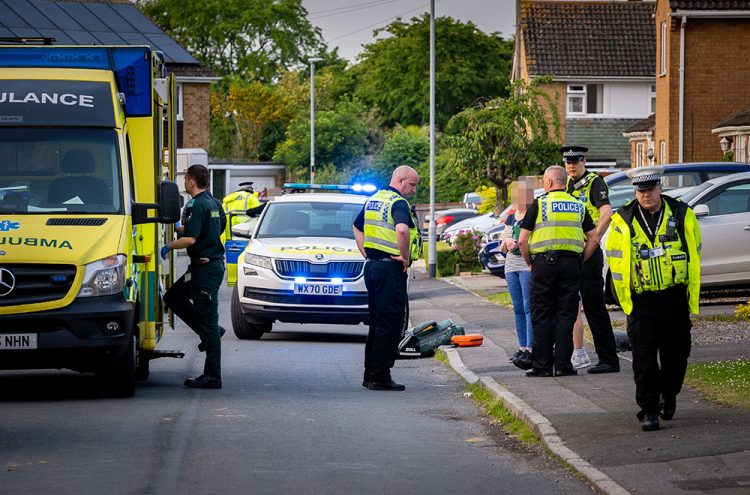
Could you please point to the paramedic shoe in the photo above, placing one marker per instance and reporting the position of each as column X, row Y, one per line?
column 667, row 407
column 203, row 381
column 222, row 331
column 580, row 360
column 604, row 368
column 389, row 385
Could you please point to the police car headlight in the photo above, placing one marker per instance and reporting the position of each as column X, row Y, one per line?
column 261, row 261
column 104, row 277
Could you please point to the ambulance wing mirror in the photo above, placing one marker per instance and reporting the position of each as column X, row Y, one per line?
column 168, row 207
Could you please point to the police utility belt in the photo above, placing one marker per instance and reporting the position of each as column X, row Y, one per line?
column 551, row 257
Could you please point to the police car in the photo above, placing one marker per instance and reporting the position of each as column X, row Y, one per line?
column 301, row 264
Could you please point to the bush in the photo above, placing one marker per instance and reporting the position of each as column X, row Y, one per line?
column 447, row 258
column 743, row 311
column 467, row 246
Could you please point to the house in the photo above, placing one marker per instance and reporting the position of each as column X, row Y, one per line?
column 118, row 22
column 701, row 79
column 734, row 134
column 641, row 138
column 600, row 56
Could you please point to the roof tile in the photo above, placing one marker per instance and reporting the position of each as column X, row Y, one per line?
column 709, row 4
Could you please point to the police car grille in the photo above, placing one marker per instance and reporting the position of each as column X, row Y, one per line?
column 36, row 283
column 288, row 297
column 300, row 268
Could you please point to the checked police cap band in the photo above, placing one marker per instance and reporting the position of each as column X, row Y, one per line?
column 573, row 154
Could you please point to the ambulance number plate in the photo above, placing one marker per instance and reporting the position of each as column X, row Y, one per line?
column 18, row 341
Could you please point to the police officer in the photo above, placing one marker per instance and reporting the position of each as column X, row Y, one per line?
column 235, row 205
column 591, row 190
column 556, row 233
column 194, row 296
column 387, row 235
column 653, row 249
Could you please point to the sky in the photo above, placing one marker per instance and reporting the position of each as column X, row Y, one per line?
column 348, row 24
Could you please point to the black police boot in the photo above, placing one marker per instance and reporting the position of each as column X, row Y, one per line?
column 222, row 331
column 668, row 407
column 650, row 422
column 203, row 381
column 533, row 372
column 387, row 385
column 604, row 368
column 524, row 360
column 566, row 372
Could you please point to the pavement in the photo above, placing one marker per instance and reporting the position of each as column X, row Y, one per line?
column 589, row 420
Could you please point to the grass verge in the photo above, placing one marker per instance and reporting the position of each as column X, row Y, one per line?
column 501, row 298
column 725, row 382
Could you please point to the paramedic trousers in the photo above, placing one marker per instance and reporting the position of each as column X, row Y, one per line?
column 194, row 298
column 659, row 331
column 387, row 298
column 554, row 308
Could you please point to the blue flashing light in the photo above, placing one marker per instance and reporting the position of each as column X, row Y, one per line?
column 300, row 280
column 132, row 66
column 57, row 57
column 356, row 188
column 337, row 281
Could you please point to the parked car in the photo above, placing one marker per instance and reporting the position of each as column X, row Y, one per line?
column 479, row 224
column 446, row 218
column 492, row 258
column 673, row 177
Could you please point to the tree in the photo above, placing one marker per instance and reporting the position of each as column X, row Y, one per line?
column 393, row 73
column 450, row 183
column 506, row 137
column 404, row 146
column 249, row 38
column 340, row 140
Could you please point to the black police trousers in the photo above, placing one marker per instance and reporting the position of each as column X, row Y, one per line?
column 554, row 307
column 194, row 298
column 386, row 288
column 659, row 331
column 592, row 296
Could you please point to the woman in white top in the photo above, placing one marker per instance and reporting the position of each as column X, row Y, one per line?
column 517, row 273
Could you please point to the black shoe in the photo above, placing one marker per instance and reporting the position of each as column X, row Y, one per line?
column 389, row 385
column 650, row 422
column 539, row 373
column 203, row 381
column 566, row 372
column 222, row 331
column 604, row 368
column 517, row 355
column 667, row 407
column 366, row 383
column 524, row 361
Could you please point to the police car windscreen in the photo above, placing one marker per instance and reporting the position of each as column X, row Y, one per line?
column 59, row 170
column 309, row 219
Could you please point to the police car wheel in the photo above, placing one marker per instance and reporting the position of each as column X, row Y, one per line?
column 243, row 329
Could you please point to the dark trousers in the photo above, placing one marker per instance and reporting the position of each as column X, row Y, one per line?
column 554, row 307
column 386, row 288
column 659, row 331
column 194, row 298
column 592, row 296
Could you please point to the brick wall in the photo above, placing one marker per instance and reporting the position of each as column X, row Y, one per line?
column 196, row 113
column 716, row 74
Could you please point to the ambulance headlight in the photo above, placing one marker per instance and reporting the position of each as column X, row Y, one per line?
column 261, row 261
column 104, row 277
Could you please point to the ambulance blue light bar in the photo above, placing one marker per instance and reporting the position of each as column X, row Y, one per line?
column 356, row 188
column 131, row 65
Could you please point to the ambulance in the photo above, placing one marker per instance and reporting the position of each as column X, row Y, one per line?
column 86, row 202
column 300, row 263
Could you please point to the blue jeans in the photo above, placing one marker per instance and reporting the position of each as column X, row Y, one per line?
column 518, row 286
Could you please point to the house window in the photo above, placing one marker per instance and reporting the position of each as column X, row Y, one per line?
column 639, row 154
column 585, row 99
column 663, row 50
column 662, row 152
column 179, row 101
column 652, row 97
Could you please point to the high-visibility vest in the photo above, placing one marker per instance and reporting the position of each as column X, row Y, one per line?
column 559, row 224
column 380, row 229
column 638, row 265
column 235, row 205
column 582, row 192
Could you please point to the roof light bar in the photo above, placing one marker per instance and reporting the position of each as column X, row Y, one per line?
column 357, row 188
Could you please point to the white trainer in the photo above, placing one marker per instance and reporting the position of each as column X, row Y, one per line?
column 580, row 360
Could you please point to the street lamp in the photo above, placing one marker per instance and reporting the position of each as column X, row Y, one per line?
column 312, row 116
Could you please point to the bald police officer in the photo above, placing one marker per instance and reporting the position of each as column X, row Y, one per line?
column 557, row 233
column 653, row 249
column 589, row 188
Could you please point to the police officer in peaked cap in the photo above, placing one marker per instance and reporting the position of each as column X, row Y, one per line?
column 589, row 188
column 653, row 248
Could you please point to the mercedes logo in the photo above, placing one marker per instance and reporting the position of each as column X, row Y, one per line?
column 318, row 256
column 7, row 282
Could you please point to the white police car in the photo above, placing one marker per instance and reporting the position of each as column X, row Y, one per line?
column 301, row 264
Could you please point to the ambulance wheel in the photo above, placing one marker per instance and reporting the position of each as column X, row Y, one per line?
column 243, row 329
column 119, row 375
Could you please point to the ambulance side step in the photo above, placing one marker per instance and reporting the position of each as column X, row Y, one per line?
column 163, row 354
